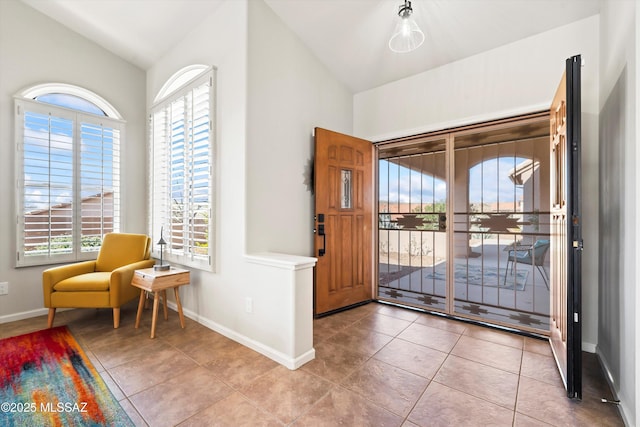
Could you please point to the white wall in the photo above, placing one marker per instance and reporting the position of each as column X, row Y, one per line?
column 270, row 93
column 219, row 41
column 35, row 49
column 517, row 78
column 618, row 298
column 290, row 93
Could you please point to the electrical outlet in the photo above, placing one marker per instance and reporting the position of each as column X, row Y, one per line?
column 4, row 288
column 248, row 305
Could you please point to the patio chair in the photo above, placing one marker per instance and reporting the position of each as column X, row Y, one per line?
column 533, row 255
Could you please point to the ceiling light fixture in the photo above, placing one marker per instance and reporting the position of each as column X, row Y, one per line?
column 407, row 36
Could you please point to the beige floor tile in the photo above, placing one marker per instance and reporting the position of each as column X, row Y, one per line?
column 549, row 403
column 322, row 332
column 180, row 397
column 240, row 366
column 130, row 349
column 232, row 411
column 390, row 387
column 342, row 407
column 113, row 387
column 334, row 362
column 153, row 368
column 542, row 368
column 443, row 406
column 489, row 353
column 400, row 313
column 351, row 316
column 361, row 340
column 539, row 346
column 482, row 381
column 333, row 322
column 415, row 358
column 286, row 394
column 494, row 335
column 522, row 420
column 427, row 336
column 439, row 322
column 382, row 323
column 26, row 326
column 208, row 347
column 133, row 414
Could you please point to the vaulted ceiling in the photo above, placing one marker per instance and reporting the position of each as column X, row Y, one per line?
column 349, row 36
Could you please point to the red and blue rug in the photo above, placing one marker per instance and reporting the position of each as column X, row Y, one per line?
column 47, row 380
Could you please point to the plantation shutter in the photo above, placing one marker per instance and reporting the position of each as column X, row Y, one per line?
column 181, row 129
column 99, row 181
column 68, row 180
column 47, row 188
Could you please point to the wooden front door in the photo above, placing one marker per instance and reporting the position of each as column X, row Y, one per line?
column 343, row 220
column 566, row 235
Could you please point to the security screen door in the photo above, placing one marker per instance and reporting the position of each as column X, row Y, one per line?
column 412, row 223
column 566, row 226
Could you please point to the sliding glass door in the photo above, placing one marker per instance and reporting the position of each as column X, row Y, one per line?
column 464, row 222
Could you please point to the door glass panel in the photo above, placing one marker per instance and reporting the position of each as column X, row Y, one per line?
column 412, row 225
column 345, row 189
column 502, row 232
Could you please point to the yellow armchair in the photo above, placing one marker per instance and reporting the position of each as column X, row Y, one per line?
column 102, row 283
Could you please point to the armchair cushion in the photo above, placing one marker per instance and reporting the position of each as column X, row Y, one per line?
column 98, row 281
column 119, row 249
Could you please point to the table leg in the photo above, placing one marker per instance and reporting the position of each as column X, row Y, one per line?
column 164, row 304
column 155, row 314
column 140, row 307
column 175, row 290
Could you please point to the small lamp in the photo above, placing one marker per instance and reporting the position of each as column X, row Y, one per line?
column 162, row 266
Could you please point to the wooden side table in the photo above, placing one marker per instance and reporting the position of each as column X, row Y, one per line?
column 150, row 280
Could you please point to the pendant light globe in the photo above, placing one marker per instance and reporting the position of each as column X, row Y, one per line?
column 407, row 36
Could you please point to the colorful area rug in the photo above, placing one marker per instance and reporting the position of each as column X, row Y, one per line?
column 47, row 380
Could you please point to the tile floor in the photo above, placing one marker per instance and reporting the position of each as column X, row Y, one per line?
column 375, row 365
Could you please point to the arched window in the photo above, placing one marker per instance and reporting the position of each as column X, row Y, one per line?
column 73, row 97
column 182, row 135
column 68, row 173
column 180, row 79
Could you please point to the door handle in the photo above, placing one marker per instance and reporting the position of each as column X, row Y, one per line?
column 322, row 233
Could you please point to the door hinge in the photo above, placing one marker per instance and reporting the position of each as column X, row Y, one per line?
column 575, row 318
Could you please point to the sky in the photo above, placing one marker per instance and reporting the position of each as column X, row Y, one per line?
column 489, row 182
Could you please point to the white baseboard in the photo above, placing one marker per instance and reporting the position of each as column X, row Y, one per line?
column 271, row 353
column 589, row 347
column 623, row 407
column 24, row 315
